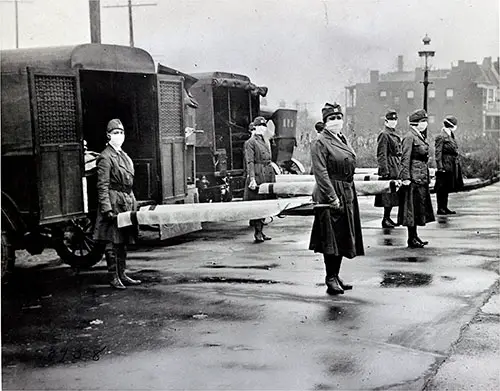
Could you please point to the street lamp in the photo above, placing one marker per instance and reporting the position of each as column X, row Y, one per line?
column 426, row 53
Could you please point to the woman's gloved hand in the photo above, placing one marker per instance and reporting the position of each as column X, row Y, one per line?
column 336, row 205
column 406, row 182
column 109, row 215
column 253, row 184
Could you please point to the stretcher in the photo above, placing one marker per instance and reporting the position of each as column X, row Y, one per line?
column 299, row 205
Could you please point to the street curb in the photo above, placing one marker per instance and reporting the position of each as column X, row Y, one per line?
column 455, row 346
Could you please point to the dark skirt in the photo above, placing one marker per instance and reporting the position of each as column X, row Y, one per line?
column 338, row 234
column 108, row 232
column 415, row 206
column 386, row 200
column 449, row 181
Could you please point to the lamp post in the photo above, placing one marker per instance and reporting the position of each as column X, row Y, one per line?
column 426, row 53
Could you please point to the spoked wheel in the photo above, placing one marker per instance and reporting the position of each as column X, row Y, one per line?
column 75, row 244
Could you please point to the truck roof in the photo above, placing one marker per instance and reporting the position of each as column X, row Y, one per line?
column 99, row 57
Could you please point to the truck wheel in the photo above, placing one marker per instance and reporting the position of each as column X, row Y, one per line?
column 8, row 255
column 75, row 244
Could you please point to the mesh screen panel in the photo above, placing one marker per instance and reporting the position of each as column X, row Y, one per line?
column 56, row 107
column 170, row 109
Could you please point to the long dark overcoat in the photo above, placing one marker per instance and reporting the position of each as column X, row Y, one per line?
column 333, row 165
column 446, row 152
column 115, row 177
column 258, row 166
column 389, row 164
column 415, row 206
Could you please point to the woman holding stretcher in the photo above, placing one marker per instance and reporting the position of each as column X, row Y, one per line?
column 336, row 231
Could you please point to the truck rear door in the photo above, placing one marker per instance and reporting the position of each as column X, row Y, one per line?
column 58, row 145
column 172, row 137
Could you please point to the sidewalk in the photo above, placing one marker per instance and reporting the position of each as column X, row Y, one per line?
column 474, row 363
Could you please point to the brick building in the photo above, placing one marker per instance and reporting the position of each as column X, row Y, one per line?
column 470, row 91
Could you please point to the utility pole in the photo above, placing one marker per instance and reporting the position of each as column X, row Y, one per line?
column 95, row 21
column 16, row 16
column 130, row 16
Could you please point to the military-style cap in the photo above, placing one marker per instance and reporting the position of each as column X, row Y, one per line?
column 260, row 121
column 391, row 115
column 417, row 116
column 330, row 109
column 450, row 121
column 114, row 124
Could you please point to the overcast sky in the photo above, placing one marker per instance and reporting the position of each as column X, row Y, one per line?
column 305, row 50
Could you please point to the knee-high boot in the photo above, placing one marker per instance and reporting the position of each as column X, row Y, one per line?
column 441, row 198
column 122, row 265
column 112, row 264
column 344, row 285
column 332, row 267
column 258, row 236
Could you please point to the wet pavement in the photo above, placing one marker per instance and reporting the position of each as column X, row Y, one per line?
column 216, row 311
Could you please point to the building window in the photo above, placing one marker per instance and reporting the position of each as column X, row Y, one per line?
column 383, row 94
column 432, row 94
column 492, row 122
column 432, row 119
column 449, row 94
column 396, row 100
column 410, row 94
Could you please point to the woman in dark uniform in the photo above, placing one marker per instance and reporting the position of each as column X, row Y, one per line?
column 258, row 170
column 389, row 162
column 336, row 230
column 448, row 173
column 115, row 177
column 415, row 207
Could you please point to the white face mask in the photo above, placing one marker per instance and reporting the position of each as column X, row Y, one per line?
column 334, row 125
column 116, row 140
column 260, row 130
column 391, row 123
column 421, row 126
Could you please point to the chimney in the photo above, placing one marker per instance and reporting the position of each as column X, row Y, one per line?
column 374, row 77
column 461, row 63
column 400, row 63
column 487, row 63
column 95, row 21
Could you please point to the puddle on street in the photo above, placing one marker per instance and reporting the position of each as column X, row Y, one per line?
column 228, row 280
column 405, row 279
column 408, row 259
column 259, row 267
column 338, row 313
column 389, row 238
column 443, row 221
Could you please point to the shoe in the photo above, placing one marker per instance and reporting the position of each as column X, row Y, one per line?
column 441, row 212
column 388, row 223
column 129, row 281
column 265, row 237
column 259, row 238
column 333, row 286
column 414, row 243
column 421, row 241
column 343, row 285
column 116, row 283
column 450, row 212
column 393, row 222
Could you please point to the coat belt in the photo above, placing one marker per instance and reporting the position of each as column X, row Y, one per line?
column 122, row 188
